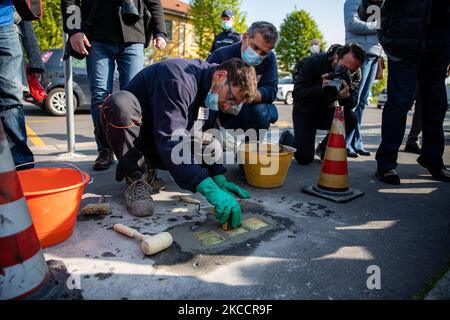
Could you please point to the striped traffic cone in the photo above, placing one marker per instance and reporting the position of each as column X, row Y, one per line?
column 333, row 181
column 23, row 269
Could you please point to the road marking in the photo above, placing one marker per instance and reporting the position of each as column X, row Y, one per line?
column 34, row 137
column 38, row 121
column 283, row 124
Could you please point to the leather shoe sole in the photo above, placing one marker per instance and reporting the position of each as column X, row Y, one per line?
column 390, row 177
column 412, row 149
column 102, row 166
column 351, row 154
column 363, row 153
column 441, row 174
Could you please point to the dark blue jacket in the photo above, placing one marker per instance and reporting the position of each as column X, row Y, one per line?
column 225, row 38
column 170, row 93
column 266, row 72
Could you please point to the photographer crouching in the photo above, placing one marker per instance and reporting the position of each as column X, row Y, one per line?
column 321, row 82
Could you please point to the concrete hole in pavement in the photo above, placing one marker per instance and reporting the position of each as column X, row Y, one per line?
column 259, row 225
column 187, row 253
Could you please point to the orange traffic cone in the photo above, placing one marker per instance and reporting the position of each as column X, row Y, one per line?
column 23, row 269
column 333, row 181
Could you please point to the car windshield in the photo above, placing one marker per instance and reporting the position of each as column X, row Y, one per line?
column 287, row 80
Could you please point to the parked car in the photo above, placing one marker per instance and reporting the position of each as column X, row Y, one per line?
column 382, row 98
column 53, row 82
column 285, row 88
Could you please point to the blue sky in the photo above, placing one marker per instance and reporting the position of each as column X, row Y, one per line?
column 328, row 14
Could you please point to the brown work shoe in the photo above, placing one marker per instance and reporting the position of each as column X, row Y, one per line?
column 156, row 183
column 104, row 160
column 138, row 195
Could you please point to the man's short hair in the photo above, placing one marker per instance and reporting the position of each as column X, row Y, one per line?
column 357, row 51
column 242, row 75
column 267, row 30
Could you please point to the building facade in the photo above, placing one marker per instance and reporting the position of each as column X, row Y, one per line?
column 180, row 33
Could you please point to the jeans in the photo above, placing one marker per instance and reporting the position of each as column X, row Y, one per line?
column 368, row 73
column 252, row 116
column 11, row 112
column 430, row 71
column 101, row 63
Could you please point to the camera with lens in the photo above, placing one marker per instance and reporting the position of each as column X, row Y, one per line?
column 129, row 12
column 337, row 77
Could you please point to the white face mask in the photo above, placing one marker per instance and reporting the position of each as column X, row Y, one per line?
column 315, row 48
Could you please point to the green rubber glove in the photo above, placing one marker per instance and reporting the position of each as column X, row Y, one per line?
column 228, row 186
column 224, row 203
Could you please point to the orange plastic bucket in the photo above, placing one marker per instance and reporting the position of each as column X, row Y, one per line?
column 53, row 197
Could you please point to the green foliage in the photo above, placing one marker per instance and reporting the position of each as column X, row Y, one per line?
column 379, row 85
column 49, row 27
column 207, row 21
column 297, row 29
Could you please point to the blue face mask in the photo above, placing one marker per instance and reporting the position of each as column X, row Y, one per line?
column 212, row 99
column 227, row 24
column 251, row 57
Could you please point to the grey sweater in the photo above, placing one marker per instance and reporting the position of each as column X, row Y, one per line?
column 360, row 32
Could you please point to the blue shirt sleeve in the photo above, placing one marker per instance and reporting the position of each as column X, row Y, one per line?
column 215, row 57
column 268, row 84
column 6, row 13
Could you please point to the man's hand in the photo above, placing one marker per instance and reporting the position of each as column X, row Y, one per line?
column 325, row 79
column 345, row 92
column 223, row 201
column 159, row 43
column 80, row 43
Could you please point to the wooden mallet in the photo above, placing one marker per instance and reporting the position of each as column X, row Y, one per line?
column 150, row 244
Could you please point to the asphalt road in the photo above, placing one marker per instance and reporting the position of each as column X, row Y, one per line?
column 311, row 249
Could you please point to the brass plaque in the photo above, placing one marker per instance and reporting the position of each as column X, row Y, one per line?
column 209, row 238
column 253, row 224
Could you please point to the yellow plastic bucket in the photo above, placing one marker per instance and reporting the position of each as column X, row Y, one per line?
column 266, row 164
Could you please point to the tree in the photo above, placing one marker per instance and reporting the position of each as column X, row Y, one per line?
column 379, row 85
column 297, row 29
column 207, row 21
column 49, row 28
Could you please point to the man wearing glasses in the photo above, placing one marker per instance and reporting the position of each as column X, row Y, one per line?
column 255, row 49
column 140, row 125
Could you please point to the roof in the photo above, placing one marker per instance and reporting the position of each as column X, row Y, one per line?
column 175, row 5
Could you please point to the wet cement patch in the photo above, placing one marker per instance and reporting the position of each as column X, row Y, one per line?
column 188, row 255
column 83, row 217
column 108, row 255
column 310, row 209
column 102, row 276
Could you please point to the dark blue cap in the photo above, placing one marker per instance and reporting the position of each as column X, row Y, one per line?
column 228, row 13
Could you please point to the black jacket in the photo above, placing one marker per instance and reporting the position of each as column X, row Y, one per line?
column 308, row 95
column 225, row 38
column 170, row 93
column 404, row 24
column 108, row 24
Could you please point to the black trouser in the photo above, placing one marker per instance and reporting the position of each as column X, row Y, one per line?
column 306, row 125
column 430, row 72
column 120, row 127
